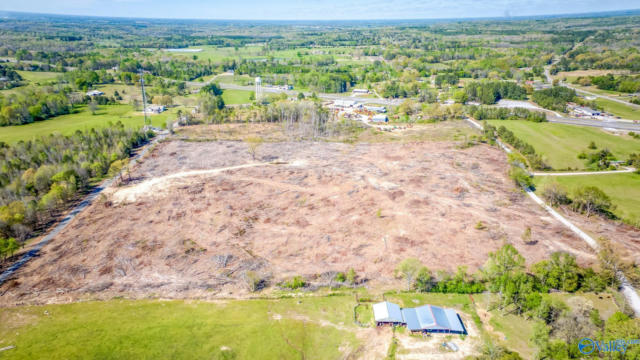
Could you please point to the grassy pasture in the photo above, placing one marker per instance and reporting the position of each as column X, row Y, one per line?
column 38, row 76
column 623, row 189
column 154, row 329
column 560, row 144
column 618, row 109
column 233, row 97
column 82, row 119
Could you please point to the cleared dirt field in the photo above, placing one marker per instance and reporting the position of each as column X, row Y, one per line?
column 186, row 227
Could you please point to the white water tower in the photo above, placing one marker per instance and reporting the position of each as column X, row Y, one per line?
column 258, row 88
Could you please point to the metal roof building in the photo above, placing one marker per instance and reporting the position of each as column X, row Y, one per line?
column 426, row 318
column 380, row 118
column 387, row 312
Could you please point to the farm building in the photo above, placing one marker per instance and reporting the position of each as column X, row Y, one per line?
column 378, row 109
column 95, row 93
column 381, row 118
column 345, row 103
column 426, row 318
column 156, row 109
column 387, row 313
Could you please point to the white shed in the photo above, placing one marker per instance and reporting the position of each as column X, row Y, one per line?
column 387, row 312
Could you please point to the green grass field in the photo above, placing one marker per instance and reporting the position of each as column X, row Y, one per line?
column 233, row 97
column 38, row 76
column 617, row 109
column 154, row 329
column 623, row 189
column 82, row 120
column 560, row 144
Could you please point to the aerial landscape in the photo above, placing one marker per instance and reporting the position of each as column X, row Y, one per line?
column 328, row 181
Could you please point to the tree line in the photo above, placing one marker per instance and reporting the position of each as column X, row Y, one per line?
column 39, row 177
column 486, row 112
column 490, row 92
column 555, row 98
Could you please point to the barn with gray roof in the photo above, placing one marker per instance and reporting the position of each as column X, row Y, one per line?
column 426, row 318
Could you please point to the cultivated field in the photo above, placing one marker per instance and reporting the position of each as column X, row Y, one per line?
column 197, row 215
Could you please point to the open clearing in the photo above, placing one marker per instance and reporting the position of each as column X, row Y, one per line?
column 560, row 144
column 82, row 120
column 623, row 189
column 39, row 76
column 320, row 207
column 318, row 327
column 234, row 97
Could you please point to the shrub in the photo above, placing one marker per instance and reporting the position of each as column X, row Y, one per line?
column 294, row 283
column 351, row 276
column 555, row 194
column 591, row 200
column 520, row 177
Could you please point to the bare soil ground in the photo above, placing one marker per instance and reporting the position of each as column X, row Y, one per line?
column 186, row 228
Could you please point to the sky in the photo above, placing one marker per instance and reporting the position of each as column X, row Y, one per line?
column 316, row 9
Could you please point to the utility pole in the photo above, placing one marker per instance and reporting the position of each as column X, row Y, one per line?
column 258, row 82
column 144, row 97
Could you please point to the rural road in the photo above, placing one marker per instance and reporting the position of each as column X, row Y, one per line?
column 555, row 117
column 70, row 216
column 618, row 125
column 601, row 96
column 547, row 74
column 626, row 288
column 579, row 173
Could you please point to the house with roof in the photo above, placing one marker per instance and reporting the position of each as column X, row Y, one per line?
column 425, row 319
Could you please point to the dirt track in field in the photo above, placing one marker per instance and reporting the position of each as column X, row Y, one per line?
column 186, row 227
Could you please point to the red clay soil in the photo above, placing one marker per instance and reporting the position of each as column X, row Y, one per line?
column 330, row 207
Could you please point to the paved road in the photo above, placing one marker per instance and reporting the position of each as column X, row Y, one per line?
column 68, row 218
column 618, row 125
column 635, row 106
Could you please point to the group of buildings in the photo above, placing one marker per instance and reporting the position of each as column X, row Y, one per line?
column 422, row 319
column 354, row 109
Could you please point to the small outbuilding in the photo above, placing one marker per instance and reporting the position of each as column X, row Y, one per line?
column 380, row 118
column 378, row 109
column 387, row 313
column 95, row 93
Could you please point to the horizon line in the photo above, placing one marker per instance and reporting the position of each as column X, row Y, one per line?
column 635, row 11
